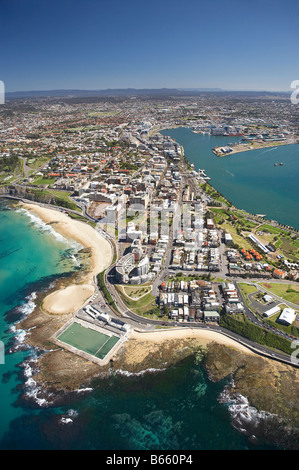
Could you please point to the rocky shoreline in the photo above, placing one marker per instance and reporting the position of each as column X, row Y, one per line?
column 262, row 394
column 269, row 387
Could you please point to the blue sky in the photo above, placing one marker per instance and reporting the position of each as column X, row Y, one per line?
column 100, row 44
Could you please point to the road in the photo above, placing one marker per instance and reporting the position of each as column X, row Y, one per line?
column 276, row 297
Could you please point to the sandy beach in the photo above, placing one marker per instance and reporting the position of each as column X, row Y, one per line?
column 71, row 298
column 204, row 337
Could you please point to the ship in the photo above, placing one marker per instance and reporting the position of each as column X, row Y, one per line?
column 278, row 164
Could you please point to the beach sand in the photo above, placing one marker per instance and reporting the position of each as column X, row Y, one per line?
column 73, row 297
column 203, row 337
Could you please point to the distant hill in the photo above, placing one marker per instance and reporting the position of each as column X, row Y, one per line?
column 130, row 92
column 200, row 89
column 89, row 93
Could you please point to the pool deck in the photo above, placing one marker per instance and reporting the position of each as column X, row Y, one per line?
column 99, row 328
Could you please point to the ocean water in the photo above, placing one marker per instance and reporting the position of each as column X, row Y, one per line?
column 248, row 179
column 175, row 409
column 32, row 256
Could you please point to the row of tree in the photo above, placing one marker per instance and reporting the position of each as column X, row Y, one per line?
column 256, row 333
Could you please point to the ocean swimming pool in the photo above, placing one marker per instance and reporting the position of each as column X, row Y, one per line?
column 88, row 340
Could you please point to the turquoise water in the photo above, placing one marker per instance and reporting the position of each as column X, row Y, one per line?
column 248, row 179
column 177, row 409
column 32, row 256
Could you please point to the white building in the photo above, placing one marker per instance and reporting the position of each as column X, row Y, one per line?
column 272, row 311
column 124, row 266
column 132, row 233
column 143, row 266
column 228, row 239
column 287, row 316
column 258, row 243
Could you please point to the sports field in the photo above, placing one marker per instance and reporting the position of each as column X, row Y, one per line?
column 88, row 340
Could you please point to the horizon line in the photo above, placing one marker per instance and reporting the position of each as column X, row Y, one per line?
column 194, row 89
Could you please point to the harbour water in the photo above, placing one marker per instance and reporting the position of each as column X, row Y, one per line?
column 249, row 179
column 176, row 409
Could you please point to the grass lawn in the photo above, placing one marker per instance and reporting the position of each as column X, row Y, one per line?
column 144, row 306
column 289, row 292
column 247, row 288
column 213, row 193
column 238, row 239
column 243, row 221
column 42, row 180
column 290, row 248
column 37, row 162
column 136, row 292
column 218, row 214
column 64, row 196
column 78, row 217
column 266, row 238
column 271, row 229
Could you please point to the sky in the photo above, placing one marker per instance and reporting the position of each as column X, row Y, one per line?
column 101, row 44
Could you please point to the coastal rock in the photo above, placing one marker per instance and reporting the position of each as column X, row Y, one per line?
column 137, row 355
column 263, row 393
column 271, row 388
column 60, row 370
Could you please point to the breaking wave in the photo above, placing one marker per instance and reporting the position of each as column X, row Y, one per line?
column 31, row 389
column 23, row 311
column 84, row 390
column 43, row 226
column 142, row 372
column 29, row 305
column 69, row 417
column 246, row 418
